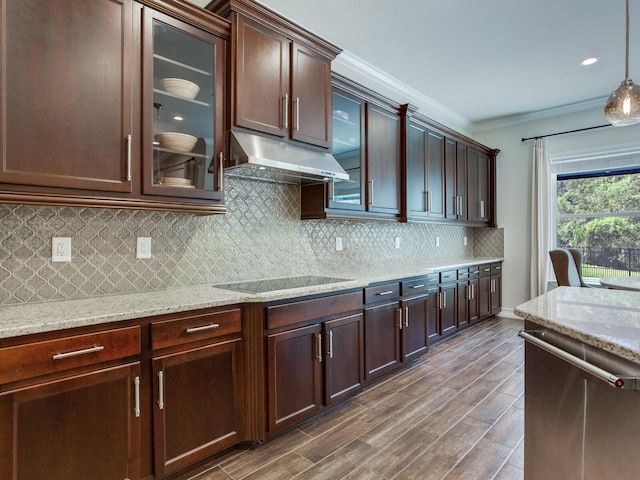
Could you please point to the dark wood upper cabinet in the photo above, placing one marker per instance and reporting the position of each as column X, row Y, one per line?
column 480, row 205
column 281, row 75
column 67, row 101
column 455, row 160
column 84, row 102
column 425, row 159
column 367, row 140
column 261, row 84
column 183, row 121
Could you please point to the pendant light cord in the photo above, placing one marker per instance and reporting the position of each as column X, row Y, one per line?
column 626, row 64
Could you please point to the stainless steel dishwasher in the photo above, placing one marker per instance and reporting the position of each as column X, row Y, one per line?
column 582, row 410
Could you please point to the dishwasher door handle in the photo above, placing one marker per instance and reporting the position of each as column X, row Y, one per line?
column 616, row 381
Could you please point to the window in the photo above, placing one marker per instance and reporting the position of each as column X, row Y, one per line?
column 597, row 210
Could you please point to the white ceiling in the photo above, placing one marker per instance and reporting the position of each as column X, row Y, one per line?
column 482, row 62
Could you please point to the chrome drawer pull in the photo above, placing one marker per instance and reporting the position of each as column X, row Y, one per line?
column 330, row 343
column 418, row 286
column 128, row 176
column 160, row 389
column 387, row 292
column 297, row 114
column 286, row 111
column 211, row 326
column 406, row 317
column 319, row 353
column 60, row 356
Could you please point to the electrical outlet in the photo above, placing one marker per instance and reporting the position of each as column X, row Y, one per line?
column 465, row 241
column 338, row 244
column 397, row 242
column 61, row 249
column 143, row 248
column 437, row 241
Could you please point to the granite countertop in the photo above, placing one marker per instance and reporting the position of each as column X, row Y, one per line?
column 603, row 318
column 25, row 319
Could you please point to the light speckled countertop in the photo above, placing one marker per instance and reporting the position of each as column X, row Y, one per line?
column 604, row 318
column 24, row 319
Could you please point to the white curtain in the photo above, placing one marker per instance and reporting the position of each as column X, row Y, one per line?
column 540, row 201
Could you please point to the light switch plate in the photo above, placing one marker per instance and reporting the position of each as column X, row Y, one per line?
column 437, row 241
column 61, row 249
column 143, row 247
column 397, row 242
column 338, row 244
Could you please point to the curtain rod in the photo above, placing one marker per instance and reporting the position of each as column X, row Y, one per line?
column 563, row 133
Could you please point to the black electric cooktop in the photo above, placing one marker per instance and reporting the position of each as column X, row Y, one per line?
column 273, row 284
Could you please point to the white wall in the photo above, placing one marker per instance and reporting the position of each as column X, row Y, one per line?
column 513, row 193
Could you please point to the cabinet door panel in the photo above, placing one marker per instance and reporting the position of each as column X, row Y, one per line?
column 474, row 303
column 435, row 174
column 310, row 97
column 80, row 427
column 294, row 376
column 383, row 160
column 417, row 201
column 382, row 340
column 344, row 359
column 484, row 297
column 496, row 293
column 479, row 207
column 433, row 317
column 463, row 301
column 68, row 93
column 448, row 320
column 262, row 79
column 414, row 329
column 197, row 404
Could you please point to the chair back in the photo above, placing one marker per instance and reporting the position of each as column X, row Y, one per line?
column 567, row 264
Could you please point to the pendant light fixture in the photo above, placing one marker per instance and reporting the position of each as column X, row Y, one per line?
column 623, row 105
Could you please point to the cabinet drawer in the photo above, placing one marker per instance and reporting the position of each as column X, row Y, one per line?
column 496, row 268
column 41, row 358
column 414, row 287
column 316, row 308
column 448, row 276
column 474, row 271
column 386, row 292
column 485, row 270
column 195, row 327
column 463, row 273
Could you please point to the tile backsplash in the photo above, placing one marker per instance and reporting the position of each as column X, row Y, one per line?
column 261, row 236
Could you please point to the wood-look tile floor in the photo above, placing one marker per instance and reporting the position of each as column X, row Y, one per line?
column 458, row 414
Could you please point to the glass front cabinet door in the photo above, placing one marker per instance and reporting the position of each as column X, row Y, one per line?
column 347, row 116
column 183, row 96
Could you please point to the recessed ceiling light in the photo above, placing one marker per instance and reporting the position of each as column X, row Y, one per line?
column 589, row 61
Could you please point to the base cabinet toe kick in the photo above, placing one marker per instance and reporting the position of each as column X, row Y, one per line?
column 582, row 409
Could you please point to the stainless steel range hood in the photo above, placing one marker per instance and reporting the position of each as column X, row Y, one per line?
column 256, row 157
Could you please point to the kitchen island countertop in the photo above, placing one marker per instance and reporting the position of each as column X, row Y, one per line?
column 30, row 318
column 603, row 318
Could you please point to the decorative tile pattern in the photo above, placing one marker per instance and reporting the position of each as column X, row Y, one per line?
column 261, row 236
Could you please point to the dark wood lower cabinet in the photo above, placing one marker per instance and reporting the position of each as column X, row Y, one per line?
column 198, row 397
column 82, row 426
column 382, row 340
column 294, row 376
column 448, row 316
column 344, row 355
column 414, row 327
column 433, row 316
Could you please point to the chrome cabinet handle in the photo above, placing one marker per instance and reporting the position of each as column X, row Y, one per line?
column 203, row 328
column 297, row 114
column 136, row 388
column 286, row 111
column 319, row 352
column 161, row 390
column 498, row 268
column 399, row 316
column 128, row 177
column 493, row 285
column 406, row 317
column 481, row 208
column 386, row 292
column 473, row 291
column 444, row 300
column 429, row 200
column 330, row 344
column 418, row 286
column 370, row 193
column 221, row 170
column 60, row 356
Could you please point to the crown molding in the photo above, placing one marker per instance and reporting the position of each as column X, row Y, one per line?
column 540, row 115
column 428, row 106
